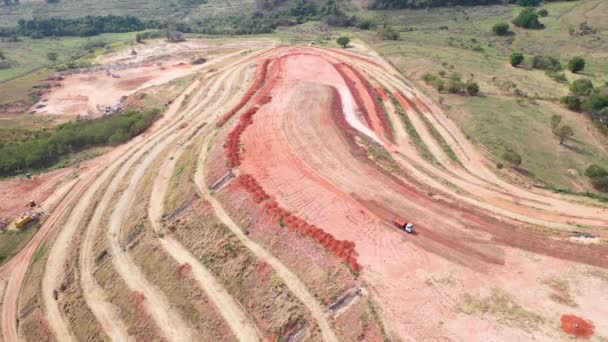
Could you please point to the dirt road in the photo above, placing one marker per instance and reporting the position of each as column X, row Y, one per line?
column 294, row 284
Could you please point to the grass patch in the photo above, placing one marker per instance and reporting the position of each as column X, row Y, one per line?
column 387, row 117
column 561, row 291
column 411, row 131
column 11, row 241
column 39, row 253
column 380, row 155
column 500, row 305
column 28, row 55
column 440, row 140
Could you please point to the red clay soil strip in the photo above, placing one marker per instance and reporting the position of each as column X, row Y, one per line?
column 260, row 77
column 577, row 326
column 382, row 94
column 234, row 137
column 379, row 110
column 353, row 90
column 343, row 249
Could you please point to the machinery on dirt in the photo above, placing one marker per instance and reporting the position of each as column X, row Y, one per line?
column 402, row 224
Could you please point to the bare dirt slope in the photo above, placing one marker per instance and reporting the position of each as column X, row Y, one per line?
column 323, row 149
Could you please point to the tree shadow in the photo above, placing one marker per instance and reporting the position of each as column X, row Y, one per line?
column 576, row 149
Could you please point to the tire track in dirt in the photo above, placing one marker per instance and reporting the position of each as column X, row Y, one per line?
column 295, row 285
column 104, row 311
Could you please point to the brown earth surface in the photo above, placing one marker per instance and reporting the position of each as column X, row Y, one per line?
column 305, row 165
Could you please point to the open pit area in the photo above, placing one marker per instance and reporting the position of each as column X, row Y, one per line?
column 260, row 206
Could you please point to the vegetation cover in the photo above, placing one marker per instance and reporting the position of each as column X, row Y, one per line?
column 81, row 27
column 46, row 149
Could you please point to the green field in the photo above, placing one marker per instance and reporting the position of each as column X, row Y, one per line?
column 144, row 9
column 510, row 113
column 28, row 54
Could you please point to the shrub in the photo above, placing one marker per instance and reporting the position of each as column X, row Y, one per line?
column 546, row 63
column 557, row 76
column 501, row 29
column 389, row 33
column 516, row 58
column 600, row 183
column 543, row 12
column 527, row 19
column 597, row 101
column 455, row 86
column 576, row 64
column 512, row 158
column 594, row 171
column 581, row 87
column 472, row 88
column 599, row 177
column 572, row 102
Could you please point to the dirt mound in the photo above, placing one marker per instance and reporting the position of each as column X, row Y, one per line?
column 577, row 326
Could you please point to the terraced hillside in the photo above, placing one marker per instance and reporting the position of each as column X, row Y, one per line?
column 260, row 206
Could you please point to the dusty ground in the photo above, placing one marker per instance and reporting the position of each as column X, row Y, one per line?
column 284, row 216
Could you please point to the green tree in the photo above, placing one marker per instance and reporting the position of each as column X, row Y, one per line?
column 343, row 41
column 581, row 87
column 564, row 133
column 52, row 56
column 527, row 19
column 516, row 58
column 512, row 158
column 576, row 64
column 501, row 29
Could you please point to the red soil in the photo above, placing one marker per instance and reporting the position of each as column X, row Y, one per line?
column 260, row 78
column 577, row 326
column 301, row 164
column 183, row 269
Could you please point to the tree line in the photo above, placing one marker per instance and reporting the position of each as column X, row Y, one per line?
column 81, row 27
column 47, row 149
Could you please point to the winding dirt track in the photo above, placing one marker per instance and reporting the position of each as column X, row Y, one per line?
column 306, row 142
column 242, row 327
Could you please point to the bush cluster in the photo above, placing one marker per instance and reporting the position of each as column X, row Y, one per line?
column 453, row 84
column 528, row 19
column 45, row 150
column 598, row 176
